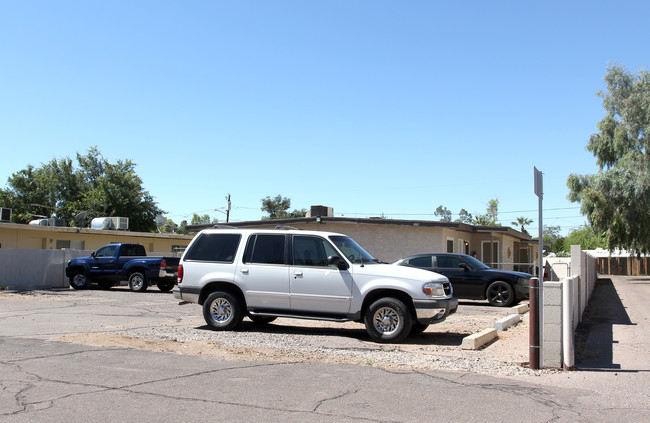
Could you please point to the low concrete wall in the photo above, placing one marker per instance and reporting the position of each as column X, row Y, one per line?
column 39, row 269
column 564, row 305
column 35, row 269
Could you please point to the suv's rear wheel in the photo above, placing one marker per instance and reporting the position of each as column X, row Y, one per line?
column 222, row 311
column 388, row 320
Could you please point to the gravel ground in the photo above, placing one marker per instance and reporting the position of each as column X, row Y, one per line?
column 181, row 329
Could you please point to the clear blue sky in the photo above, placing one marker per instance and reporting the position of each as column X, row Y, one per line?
column 369, row 107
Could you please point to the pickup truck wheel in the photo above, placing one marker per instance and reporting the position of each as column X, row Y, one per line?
column 78, row 280
column 165, row 286
column 222, row 311
column 137, row 282
column 500, row 294
column 388, row 320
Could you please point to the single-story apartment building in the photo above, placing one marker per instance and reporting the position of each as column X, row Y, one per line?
column 21, row 236
column 391, row 239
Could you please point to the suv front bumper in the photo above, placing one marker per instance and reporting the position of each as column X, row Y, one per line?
column 434, row 311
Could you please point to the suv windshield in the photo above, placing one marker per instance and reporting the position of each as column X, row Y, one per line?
column 352, row 250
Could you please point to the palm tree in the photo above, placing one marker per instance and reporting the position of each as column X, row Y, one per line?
column 523, row 221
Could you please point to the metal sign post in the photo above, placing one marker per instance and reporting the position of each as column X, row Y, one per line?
column 539, row 192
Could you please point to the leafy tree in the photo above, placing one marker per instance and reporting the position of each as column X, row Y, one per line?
column 465, row 217
column 552, row 234
column 522, row 222
column 277, row 208
column 202, row 220
column 616, row 199
column 101, row 188
column 443, row 213
column 586, row 236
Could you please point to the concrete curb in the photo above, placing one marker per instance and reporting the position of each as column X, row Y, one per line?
column 506, row 322
column 477, row 340
column 520, row 309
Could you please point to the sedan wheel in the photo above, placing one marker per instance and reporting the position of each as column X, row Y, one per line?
column 500, row 294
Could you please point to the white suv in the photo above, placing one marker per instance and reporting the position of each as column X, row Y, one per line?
column 270, row 273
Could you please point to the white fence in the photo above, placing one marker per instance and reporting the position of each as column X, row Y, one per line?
column 564, row 306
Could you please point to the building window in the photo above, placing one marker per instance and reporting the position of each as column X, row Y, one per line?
column 62, row 243
column 450, row 245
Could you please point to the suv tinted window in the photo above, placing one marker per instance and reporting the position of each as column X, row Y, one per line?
column 311, row 251
column 265, row 249
column 214, row 247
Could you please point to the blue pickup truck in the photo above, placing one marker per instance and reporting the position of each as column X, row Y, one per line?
column 114, row 263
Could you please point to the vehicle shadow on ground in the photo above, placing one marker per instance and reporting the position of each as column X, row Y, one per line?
column 595, row 334
column 428, row 337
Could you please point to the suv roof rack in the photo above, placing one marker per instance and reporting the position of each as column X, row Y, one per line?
column 220, row 226
column 286, row 227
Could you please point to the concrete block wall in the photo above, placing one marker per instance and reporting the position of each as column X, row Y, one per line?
column 35, row 269
column 552, row 333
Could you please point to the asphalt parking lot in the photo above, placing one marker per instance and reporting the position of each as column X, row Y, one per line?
column 153, row 320
column 72, row 356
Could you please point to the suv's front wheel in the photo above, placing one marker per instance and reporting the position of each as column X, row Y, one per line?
column 222, row 311
column 388, row 320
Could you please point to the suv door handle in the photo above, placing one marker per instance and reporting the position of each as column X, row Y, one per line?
column 244, row 270
column 297, row 273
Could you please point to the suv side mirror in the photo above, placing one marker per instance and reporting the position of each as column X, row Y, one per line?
column 338, row 262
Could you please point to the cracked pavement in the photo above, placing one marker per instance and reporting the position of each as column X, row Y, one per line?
column 45, row 380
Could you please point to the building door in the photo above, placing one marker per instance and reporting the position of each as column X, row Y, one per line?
column 490, row 253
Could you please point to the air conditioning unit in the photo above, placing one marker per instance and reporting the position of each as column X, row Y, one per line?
column 38, row 222
column 110, row 223
column 5, row 215
column 121, row 223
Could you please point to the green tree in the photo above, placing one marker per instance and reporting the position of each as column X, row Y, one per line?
column 616, row 199
column 465, row 217
column 586, row 236
column 277, row 208
column 443, row 213
column 101, row 188
column 552, row 235
column 203, row 220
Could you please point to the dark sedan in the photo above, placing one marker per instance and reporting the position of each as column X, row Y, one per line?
column 472, row 279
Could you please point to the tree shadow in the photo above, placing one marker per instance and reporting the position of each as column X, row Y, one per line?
column 595, row 334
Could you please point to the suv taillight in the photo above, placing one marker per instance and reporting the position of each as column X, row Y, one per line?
column 179, row 278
